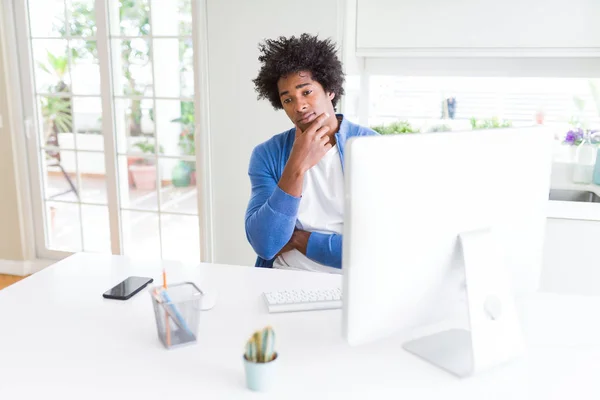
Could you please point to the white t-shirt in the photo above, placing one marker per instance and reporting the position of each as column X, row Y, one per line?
column 321, row 209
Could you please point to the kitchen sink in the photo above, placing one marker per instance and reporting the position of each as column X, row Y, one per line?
column 583, row 196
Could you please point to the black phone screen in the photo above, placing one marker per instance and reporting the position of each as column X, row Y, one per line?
column 127, row 288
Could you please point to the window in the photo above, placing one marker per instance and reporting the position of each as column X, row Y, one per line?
column 428, row 104
column 519, row 100
column 114, row 160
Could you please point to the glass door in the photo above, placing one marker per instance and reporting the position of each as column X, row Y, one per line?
column 111, row 123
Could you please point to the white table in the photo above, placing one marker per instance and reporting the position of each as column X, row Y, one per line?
column 60, row 338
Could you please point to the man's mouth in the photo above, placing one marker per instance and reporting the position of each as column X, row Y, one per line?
column 306, row 119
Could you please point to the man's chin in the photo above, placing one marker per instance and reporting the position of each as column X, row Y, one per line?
column 303, row 127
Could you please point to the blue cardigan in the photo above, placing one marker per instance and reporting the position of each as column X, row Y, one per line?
column 271, row 213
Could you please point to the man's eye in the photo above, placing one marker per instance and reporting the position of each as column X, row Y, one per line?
column 307, row 92
column 286, row 101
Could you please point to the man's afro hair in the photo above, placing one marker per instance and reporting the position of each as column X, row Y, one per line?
column 284, row 56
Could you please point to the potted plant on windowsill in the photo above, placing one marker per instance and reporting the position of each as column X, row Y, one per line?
column 395, row 128
column 143, row 170
column 583, row 140
column 187, row 146
column 490, row 123
column 184, row 174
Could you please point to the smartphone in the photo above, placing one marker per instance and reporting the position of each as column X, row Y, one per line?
column 126, row 289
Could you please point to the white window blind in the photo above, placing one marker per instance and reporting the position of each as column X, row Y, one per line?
column 419, row 99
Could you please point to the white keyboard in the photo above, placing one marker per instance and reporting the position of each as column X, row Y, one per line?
column 303, row 300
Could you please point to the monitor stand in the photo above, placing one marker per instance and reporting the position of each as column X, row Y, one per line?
column 494, row 336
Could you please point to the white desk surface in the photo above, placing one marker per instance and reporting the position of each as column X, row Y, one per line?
column 59, row 337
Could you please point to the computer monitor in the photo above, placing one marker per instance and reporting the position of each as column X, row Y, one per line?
column 440, row 222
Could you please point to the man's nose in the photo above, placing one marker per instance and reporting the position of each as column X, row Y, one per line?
column 301, row 106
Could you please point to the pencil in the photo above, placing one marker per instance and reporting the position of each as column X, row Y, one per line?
column 168, row 328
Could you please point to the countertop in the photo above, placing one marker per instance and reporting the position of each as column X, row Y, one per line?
column 561, row 179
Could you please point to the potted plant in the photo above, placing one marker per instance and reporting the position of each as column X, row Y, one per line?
column 490, row 123
column 186, row 170
column 187, row 146
column 580, row 125
column 395, row 128
column 143, row 170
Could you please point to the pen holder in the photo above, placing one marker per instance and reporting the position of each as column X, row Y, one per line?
column 177, row 312
column 260, row 376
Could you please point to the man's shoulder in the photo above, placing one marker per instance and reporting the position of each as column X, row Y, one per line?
column 359, row 130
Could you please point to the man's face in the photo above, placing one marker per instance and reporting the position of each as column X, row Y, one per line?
column 304, row 99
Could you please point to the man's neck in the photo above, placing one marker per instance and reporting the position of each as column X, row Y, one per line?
column 334, row 129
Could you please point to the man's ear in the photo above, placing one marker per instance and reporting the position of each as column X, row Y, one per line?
column 331, row 95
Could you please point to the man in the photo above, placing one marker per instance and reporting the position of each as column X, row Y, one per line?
column 295, row 214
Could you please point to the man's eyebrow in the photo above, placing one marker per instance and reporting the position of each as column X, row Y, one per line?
column 300, row 86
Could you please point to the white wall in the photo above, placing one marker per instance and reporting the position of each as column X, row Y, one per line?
column 537, row 67
column 238, row 121
column 11, row 238
column 509, row 26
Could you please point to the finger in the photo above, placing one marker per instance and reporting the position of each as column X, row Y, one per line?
column 325, row 139
column 321, row 118
column 317, row 123
column 322, row 131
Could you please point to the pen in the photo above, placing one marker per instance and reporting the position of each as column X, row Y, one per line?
column 168, row 328
column 177, row 315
